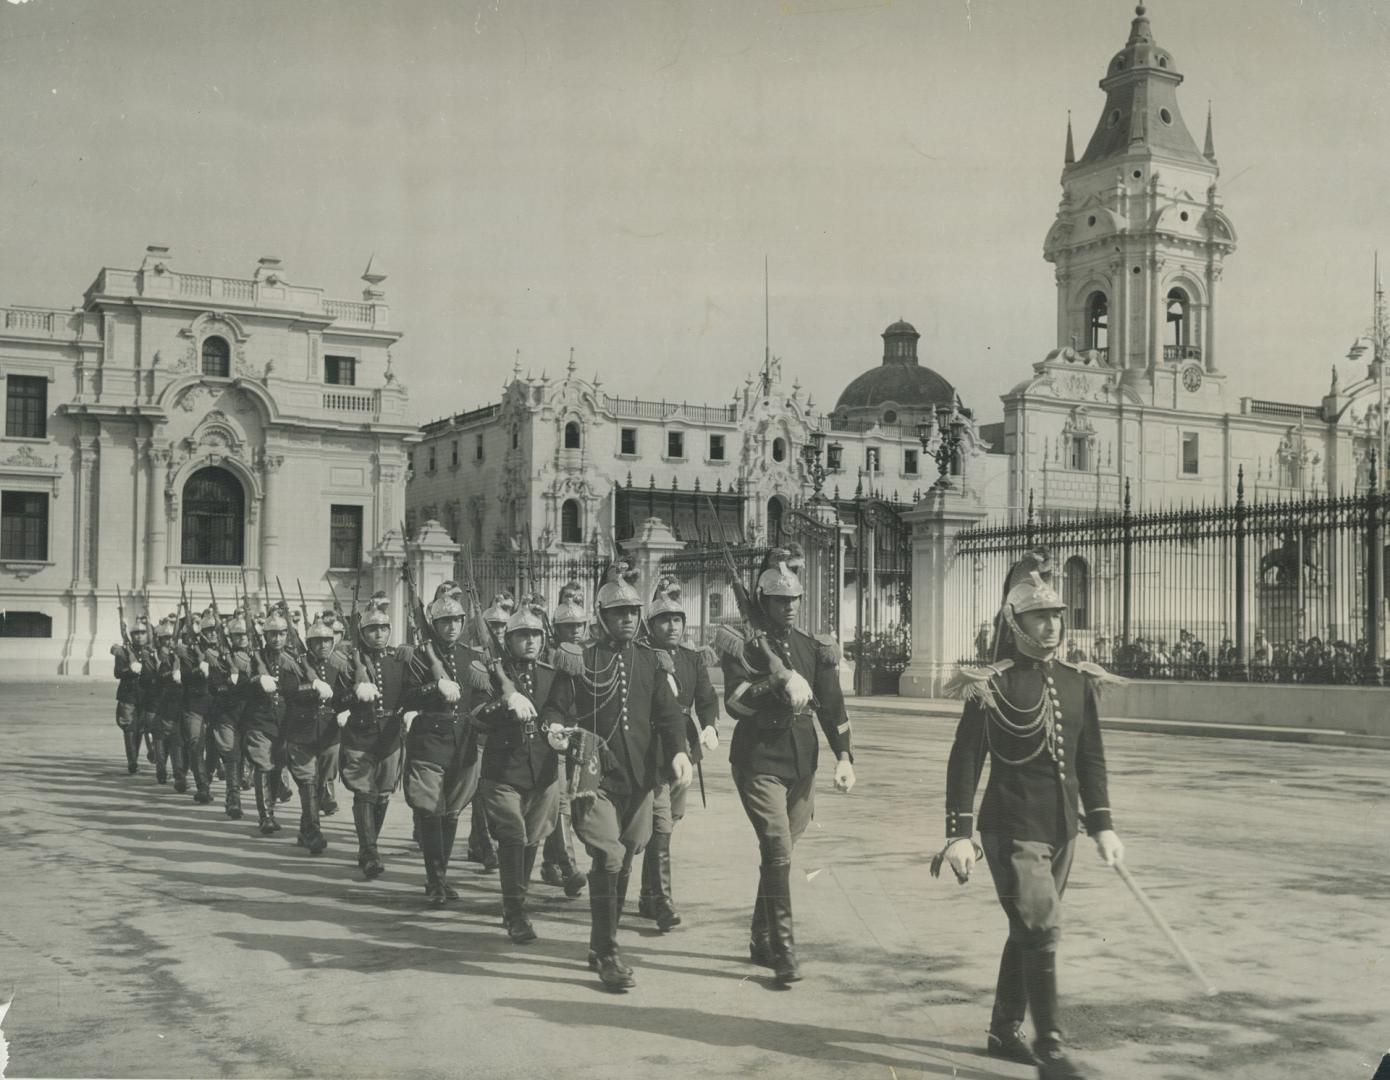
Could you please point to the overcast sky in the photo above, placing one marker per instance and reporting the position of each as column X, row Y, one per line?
column 609, row 175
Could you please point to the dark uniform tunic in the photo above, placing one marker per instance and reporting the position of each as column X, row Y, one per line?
column 774, row 750
column 626, row 698
column 371, row 747
column 699, row 701
column 168, row 695
column 197, row 705
column 132, row 692
column 441, row 747
column 265, row 712
column 1039, row 727
column 520, row 788
column 228, row 700
column 311, row 728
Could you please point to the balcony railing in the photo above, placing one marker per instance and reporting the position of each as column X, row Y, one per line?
column 366, row 402
column 226, row 582
column 349, row 311
column 1182, row 352
column 638, row 409
column 37, row 322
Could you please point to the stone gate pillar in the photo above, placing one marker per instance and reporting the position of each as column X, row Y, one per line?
column 387, row 559
column 935, row 522
column 654, row 539
column 431, row 556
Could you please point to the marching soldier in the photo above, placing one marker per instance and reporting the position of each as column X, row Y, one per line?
column 328, row 794
column 697, row 699
column 441, row 749
column 168, row 738
column 228, row 680
column 558, row 867
column 519, row 787
column 772, row 684
column 369, row 685
column 196, row 669
column 619, row 695
column 311, row 729
column 265, row 716
column 1034, row 717
column 133, row 689
column 480, row 846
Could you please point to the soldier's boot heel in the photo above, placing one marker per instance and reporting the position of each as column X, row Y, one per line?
column 1053, row 1062
column 651, row 881
column 511, row 865
column 448, row 830
column 157, row 755
column 759, row 944
column 132, row 751
column 666, row 915
column 1008, row 1043
column 265, row 804
column 777, row 900
column 328, row 799
column 310, row 835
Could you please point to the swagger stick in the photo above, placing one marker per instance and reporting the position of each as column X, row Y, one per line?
column 1208, row 987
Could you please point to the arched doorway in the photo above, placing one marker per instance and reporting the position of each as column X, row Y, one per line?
column 571, row 523
column 214, row 518
column 775, row 509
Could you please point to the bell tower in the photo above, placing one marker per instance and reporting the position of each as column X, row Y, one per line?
column 1140, row 236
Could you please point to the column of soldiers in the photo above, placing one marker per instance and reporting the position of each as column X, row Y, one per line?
column 592, row 723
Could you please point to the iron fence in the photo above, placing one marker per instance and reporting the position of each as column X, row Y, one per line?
column 543, row 572
column 1274, row 591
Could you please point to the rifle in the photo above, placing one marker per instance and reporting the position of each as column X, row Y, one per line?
column 253, row 636
column 297, row 646
column 429, row 644
column 492, row 654
column 303, row 607
column 532, row 590
column 191, row 651
column 222, row 638
column 337, row 607
column 752, row 615
column 354, row 627
column 120, row 610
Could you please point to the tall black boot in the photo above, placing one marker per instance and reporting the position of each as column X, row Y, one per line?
column 233, row 800
column 448, row 829
column 480, row 845
column 664, row 908
column 621, row 889
column 428, row 829
column 651, row 881
column 379, row 810
column 282, row 785
column 202, row 774
column 178, row 755
column 1040, row 982
column 511, row 865
column 1006, row 1039
column 759, row 943
column 328, row 798
column 777, row 900
column 603, row 927
column 310, row 836
column 132, row 750
column 364, row 821
column 265, row 803
column 161, row 775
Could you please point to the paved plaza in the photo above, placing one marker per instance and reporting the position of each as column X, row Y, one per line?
column 144, row 935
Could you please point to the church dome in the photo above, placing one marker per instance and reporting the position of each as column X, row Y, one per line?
column 900, row 380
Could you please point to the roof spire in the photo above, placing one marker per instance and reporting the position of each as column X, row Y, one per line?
column 1070, row 158
column 1209, row 150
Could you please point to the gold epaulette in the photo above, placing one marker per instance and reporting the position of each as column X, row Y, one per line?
column 1098, row 677
column 663, row 660
column 544, row 664
column 728, row 642
column 827, row 649
column 568, row 658
column 479, row 678
column 707, row 656
column 972, row 683
column 404, row 653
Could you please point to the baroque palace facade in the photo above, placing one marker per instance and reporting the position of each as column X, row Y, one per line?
column 179, row 425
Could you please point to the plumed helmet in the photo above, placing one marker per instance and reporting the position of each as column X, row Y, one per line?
column 501, row 609
column 447, row 602
column 208, row 622
column 275, row 621
column 377, row 611
column 1034, row 594
column 666, row 600
column 141, row 625
column 236, row 625
column 164, row 629
column 319, row 629
column 780, row 572
column 530, row 615
column 619, row 588
column 1028, row 587
column 570, row 607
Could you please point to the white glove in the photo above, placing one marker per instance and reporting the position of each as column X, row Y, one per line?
column 136, row 667
column 685, row 772
column 268, row 684
column 178, row 675
column 343, row 718
column 797, row 690
column 367, row 691
column 409, row 718
column 450, row 690
column 325, row 691
column 709, row 738
column 844, row 776
column 961, row 856
column 203, row 667
column 555, row 735
column 1109, row 848
column 521, row 706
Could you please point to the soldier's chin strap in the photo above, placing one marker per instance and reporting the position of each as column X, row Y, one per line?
column 1029, row 645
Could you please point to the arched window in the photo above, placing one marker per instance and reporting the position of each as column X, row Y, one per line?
column 217, row 358
column 1097, row 321
column 214, row 518
column 779, row 449
column 572, row 436
column 571, row 527
column 1076, row 587
column 1179, row 319
column 774, row 520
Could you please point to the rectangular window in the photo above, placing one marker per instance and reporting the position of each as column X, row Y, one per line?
column 345, row 538
column 716, row 447
column 454, row 454
column 1080, row 459
column 24, row 525
column 675, row 444
column 432, row 464
column 910, row 462
column 1189, row 453
column 26, row 407
column 340, row 370
column 478, row 447
column 410, row 460
column 627, row 441
column 25, row 624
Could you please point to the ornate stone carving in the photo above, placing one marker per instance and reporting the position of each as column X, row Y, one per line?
column 26, row 458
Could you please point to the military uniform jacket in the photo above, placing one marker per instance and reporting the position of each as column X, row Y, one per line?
column 134, row 688
column 309, row 718
column 625, row 697
column 696, row 696
column 169, row 694
column 197, row 687
column 266, row 712
column 770, row 737
column 518, row 753
column 435, row 734
column 1035, row 780
column 368, row 721
column 228, row 698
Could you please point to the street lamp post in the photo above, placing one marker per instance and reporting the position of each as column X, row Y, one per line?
column 811, row 457
column 945, row 429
